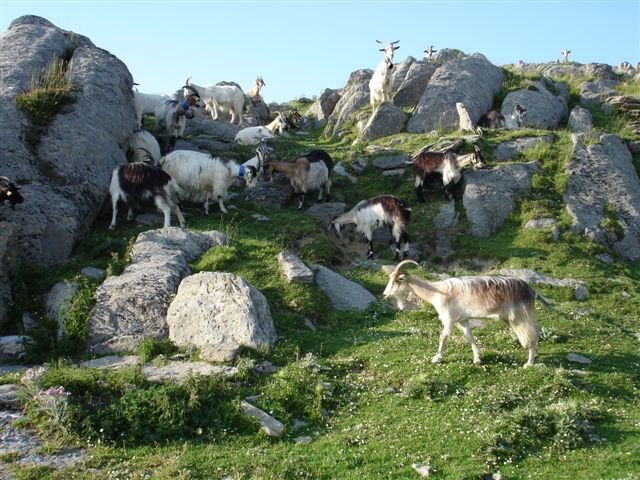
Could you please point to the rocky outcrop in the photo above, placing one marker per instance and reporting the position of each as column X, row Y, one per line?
column 603, row 194
column 414, row 84
column 322, row 109
column 544, row 109
column 472, row 80
column 490, row 195
column 220, row 313
column 387, row 119
column 64, row 173
column 133, row 306
column 354, row 97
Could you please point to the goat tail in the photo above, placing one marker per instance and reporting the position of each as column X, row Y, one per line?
column 523, row 324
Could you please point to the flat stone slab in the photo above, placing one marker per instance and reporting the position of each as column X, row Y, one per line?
column 293, row 268
column 270, row 425
column 111, row 361
column 343, row 293
column 179, row 371
column 574, row 357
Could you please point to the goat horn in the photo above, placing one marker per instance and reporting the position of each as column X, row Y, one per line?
column 187, row 81
column 379, row 41
column 400, row 265
column 397, row 41
column 195, row 92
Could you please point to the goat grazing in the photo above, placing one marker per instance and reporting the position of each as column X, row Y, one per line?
column 203, row 175
column 380, row 211
column 254, row 135
column 9, row 192
column 171, row 118
column 495, row 120
column 459, row 300
column 448, row 164
column 254, row 93
column 146, row 104
column 381, row 80
column 141, row 182
column 565, row 55
column 142, row 146
column 311, row 171
column 221, row 99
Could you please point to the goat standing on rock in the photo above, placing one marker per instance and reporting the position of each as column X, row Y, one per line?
column 380, row 211
column 460, row 300
column 9, row 192
column 381, row 80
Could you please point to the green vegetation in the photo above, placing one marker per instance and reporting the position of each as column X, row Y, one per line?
column 361, row 386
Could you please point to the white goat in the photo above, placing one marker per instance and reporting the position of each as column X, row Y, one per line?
column 141, row 182
column 565, row 55
column 311, row 171
column 202, row 175
column 381, row 211
column 171, row 118
column 460, row 300
column 254, row 135
column 146, row 104
column 254, row 93
column 381, row 80
column 221, row 99
column 142, row 146
column 449, row 165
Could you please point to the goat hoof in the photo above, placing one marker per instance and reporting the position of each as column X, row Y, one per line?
column 477, row 361
column 370, row 256
column 436, row 359
column 112, row 227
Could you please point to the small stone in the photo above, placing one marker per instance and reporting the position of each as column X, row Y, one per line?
column 303, row 439
column 574, row 357
column 422, row 469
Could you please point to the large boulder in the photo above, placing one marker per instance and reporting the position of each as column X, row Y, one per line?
column 596, row 93
column 602, row 184
column 322, row 109
column 220, row 313
column 544, row 109
column 387, row 119
column 472, row 80
column 414, row 84
column 490, row 195
column 133, row 306
column 354, row 97
column 399, row 73
column 64, row 171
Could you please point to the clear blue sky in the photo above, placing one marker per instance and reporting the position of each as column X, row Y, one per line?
column 302, row 47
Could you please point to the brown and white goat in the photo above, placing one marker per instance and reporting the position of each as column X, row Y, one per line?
column 254, row 93
column 311, row 171
column 141, row 182
column 9, row 192
column 448, row 164
column 381, row 211
column 460, row 300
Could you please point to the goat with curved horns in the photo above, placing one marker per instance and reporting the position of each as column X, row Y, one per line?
column 381, row 80
column 460, row 300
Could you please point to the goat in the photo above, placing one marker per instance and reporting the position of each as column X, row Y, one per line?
column 448, row 164
column 171, row 118
column 293, row 120
column 380, row 211
column 142, row 146
column 141, row 182
column 9, row 192
column 254, row 135
column 263, row 155
column 430, row 51
column 221, row 99
column 311, row 171
column 565, row 55
column 381, row 80
column 201, row 174
column 495, row 120
column 459, row 300
column 254, row 93
column 146, row 104
column 465, row 120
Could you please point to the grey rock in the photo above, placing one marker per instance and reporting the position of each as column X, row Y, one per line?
column 273, row 194
column 270, row 425
column 445, row 222
column 303, row 439
column 178, row 372
column 9, row 396
column 580, row 120
column 204, row 127
column 605, row 258
column 132, row 306
column 595, row 93
column 12, row 348
column 414, row 84
column 71, row 165
column 634, row 147
column 293, row 268
column 398, row 172
column 399, row 73
column 57, row 300
column 343, row 293
column 93, row 273
column 471, row 80
column 602, row 178
column 325, row 212
column 8, row 262
column 387, row 119
column 354, row 97
column 111, row 361
column 544, row 109
column 540, row 223
column 28, row 322
column 220, row 313
column 574, row 357
column 391, row 162
column 490, row 195
column 322, row 109
column 340, row 171
column 512, row 148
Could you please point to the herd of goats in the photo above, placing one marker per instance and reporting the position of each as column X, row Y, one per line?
column 164, row 175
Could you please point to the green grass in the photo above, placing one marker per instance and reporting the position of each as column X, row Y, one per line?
column 362, row 385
